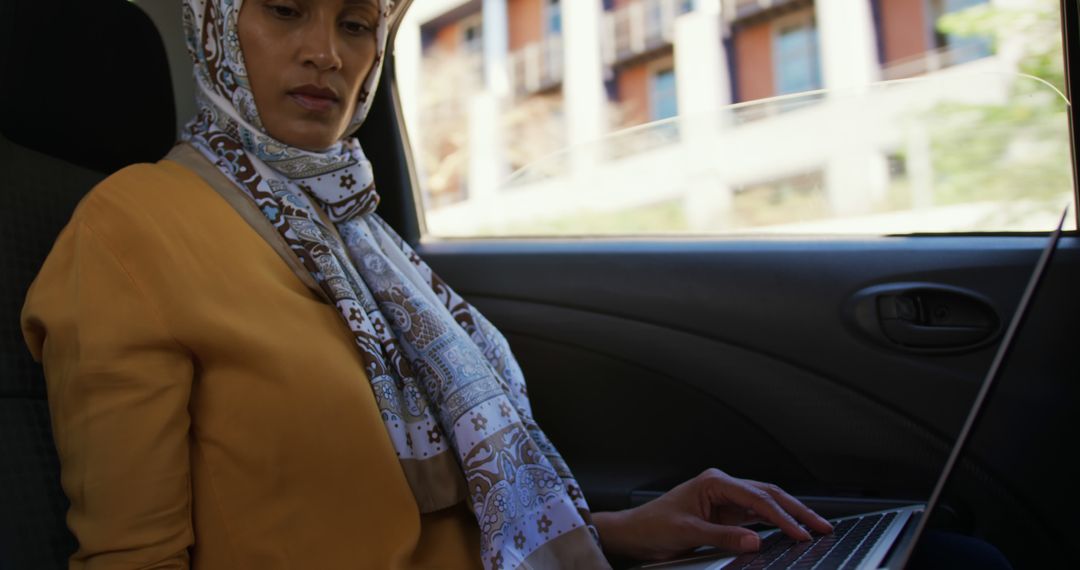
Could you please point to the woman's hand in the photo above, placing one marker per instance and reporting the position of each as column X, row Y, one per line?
column 704, row 511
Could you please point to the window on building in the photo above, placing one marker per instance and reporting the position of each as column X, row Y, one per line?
column 796, row 62
column 553, row 17
column 472, row 34
column 663, row 103
column 959, row 48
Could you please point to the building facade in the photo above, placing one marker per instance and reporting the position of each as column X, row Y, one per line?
column 492, row 86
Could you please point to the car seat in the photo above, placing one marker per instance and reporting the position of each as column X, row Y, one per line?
column 86, row 91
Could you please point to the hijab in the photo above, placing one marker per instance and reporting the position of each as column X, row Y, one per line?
column 449, row 391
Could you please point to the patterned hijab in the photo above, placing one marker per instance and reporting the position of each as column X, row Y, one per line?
column 451, row 395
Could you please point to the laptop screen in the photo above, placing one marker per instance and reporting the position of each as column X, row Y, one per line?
column 985, row 391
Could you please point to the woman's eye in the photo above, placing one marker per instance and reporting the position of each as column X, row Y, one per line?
column 356, row 27
column 283, row 12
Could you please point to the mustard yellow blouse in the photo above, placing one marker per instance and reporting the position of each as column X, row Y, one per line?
column 209, row 409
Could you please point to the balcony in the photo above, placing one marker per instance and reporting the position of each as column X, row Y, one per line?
column 748, row 10
column 537, row 67
column 640, row 27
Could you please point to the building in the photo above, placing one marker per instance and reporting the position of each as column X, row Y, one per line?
column 490, row 86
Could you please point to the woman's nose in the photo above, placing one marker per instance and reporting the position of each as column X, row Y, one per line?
column 319, row 48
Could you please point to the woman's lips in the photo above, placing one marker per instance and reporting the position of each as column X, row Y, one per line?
column 317, row 103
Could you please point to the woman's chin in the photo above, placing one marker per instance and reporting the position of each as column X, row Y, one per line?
column 310, row 137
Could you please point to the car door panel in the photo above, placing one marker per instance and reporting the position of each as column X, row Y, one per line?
column 727, row 392
column 649, row 361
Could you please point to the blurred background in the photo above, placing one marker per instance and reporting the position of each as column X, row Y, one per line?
column 702, row 117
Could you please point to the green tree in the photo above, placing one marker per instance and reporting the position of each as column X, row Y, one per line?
column 1017, row 150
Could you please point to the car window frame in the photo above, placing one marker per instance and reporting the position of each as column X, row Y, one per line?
column 403, row 210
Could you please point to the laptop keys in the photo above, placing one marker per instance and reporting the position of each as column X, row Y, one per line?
column 850, row 542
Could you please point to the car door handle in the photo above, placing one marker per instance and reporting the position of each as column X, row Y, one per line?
column 925, row 316
column 908, row 334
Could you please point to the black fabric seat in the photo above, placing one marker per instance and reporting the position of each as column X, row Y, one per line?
column 86, row 92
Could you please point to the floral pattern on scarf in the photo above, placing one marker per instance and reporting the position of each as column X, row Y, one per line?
column 450, row 393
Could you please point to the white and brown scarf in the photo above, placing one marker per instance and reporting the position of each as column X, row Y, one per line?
column 452, row 397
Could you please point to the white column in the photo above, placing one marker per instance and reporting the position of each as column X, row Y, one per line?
column 583, row 72
column 703, row 88
column 847, row 42
column 486, row 167
column 920, row 166
column 701, row 72
column 496, row 47
column 856, row 179
column 856, row 175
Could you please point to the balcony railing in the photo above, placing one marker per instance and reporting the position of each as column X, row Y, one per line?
column 935, row 60
column 537, row 66
column 640, row 27
column 760, row 110
column 745, row 9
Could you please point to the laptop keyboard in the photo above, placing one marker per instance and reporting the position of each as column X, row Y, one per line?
column 848, row 544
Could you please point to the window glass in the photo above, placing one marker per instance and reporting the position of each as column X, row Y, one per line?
column 668, row 117
column 664, row 102
column 554, row 17
column 796, row 60
column 472, row 35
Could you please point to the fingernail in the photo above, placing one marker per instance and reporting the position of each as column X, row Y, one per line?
column 749, row 542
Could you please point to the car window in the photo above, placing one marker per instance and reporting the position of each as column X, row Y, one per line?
column 669, row 117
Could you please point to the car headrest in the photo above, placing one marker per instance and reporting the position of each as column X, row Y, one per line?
column 85, row 81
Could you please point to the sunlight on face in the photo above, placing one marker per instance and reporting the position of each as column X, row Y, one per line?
column 307, row 61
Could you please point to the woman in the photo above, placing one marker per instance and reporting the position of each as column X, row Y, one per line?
column 248, row 369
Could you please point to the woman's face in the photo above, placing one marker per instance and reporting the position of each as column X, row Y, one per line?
column 307, row 60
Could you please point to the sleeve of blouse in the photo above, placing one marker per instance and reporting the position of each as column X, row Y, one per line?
column 118, row 390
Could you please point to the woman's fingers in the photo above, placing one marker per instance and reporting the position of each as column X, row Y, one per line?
column 741, row 492
column 726, row 537
column 733, row 514
column 795, row 507
column 769, row 510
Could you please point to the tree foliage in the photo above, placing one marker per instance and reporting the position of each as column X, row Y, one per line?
column 1018, row 149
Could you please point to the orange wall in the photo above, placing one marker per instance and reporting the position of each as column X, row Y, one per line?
column 904, row 28
column 634, row 95
column 526, row 22
column 447, row 38
column 753, row 52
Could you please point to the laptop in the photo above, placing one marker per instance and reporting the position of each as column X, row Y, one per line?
column 881, row 540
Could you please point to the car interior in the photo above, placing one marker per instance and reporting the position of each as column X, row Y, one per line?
column 47, row 176
column 648, row 359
